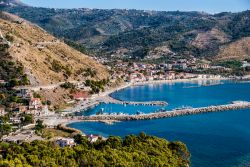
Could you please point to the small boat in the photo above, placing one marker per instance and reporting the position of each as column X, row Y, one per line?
column 139, row 112
column 161, row 110
column 183, row 108
column 100, row 112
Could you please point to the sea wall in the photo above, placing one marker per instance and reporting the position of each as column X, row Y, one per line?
column 167, row 114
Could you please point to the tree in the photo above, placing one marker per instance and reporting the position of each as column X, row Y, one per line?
column 152, row 151
column 27, row 119
column 49, row 102
column 114, row 142
column 39, row 125
column 13, row 83
column 14, row 99
column 79, row 139
column 36, row 95
column 5, row 128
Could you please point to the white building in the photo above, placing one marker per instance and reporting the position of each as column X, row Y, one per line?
column 64, row 142
column 93, row 138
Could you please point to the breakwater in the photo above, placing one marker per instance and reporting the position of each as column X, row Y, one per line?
column 168, row 114
column 109, row 99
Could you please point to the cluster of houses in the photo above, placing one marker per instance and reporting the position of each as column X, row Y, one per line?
column 181, row 69
column 34, row 106
column 70, row 142
column 29, row 136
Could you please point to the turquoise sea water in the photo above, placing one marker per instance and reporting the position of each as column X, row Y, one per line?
column 214, row 139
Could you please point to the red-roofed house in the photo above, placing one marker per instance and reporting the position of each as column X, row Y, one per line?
column 80, row 96
column 35, row 104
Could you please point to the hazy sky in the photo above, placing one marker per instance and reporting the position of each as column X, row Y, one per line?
column 210, row 6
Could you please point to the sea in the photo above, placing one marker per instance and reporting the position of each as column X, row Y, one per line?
column 220, row 139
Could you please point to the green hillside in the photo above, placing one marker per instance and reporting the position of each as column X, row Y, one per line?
column 134, row 33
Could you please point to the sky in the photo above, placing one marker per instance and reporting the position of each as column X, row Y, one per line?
column 209, row 6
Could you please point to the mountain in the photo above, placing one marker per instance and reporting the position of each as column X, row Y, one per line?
column 11, row 3
column 137, row 34
column 43, row 58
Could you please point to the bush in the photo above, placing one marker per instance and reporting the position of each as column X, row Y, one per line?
column 96, row 86
column 67, row 85
column 56, row 66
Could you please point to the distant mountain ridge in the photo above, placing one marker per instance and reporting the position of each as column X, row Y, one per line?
column 11, row 3
column 136, row 34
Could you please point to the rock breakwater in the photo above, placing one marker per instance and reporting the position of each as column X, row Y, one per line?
column 167, row 114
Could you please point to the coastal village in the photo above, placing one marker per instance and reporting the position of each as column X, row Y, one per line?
column 82, row 98
column 29, row 107
column 134, row 85
column 28, row 110
column 182, row 69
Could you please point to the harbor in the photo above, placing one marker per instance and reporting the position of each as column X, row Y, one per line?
column 237, row 105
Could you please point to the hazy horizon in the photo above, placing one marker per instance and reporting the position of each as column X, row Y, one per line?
column 208, row 6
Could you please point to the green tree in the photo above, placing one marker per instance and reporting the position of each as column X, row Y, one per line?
column 5, row 128
column 27, row 119
column 13, row 83
column 39, row 125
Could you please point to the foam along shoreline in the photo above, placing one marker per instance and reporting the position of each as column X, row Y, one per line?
column 237, row 105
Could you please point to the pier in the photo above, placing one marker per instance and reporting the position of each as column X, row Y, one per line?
column 109, row 100
column 167, row 114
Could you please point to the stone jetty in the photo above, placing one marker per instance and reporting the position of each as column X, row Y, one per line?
column 166, row 114
column 109, row 99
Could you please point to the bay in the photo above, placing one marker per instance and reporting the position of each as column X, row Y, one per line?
column 214, row 139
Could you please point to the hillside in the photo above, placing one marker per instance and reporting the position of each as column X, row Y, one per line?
column 45, row 59
column 238, row 50
column 137, row 34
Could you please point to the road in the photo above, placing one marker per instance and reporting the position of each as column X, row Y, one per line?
column 44, row 87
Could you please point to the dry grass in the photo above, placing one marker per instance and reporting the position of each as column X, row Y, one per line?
column 51, row 133
column 57, row 96
column 204, row 39
column 238, row 50
column 36, row 50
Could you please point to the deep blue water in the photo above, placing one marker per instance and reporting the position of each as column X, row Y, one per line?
column 214, row 139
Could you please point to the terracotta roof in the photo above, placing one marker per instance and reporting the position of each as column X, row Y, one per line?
column 79, row 95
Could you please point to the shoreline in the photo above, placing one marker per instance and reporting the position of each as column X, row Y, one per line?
column 102, row 97
column 110, row 119
column 96, row 99
column 180, row 81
